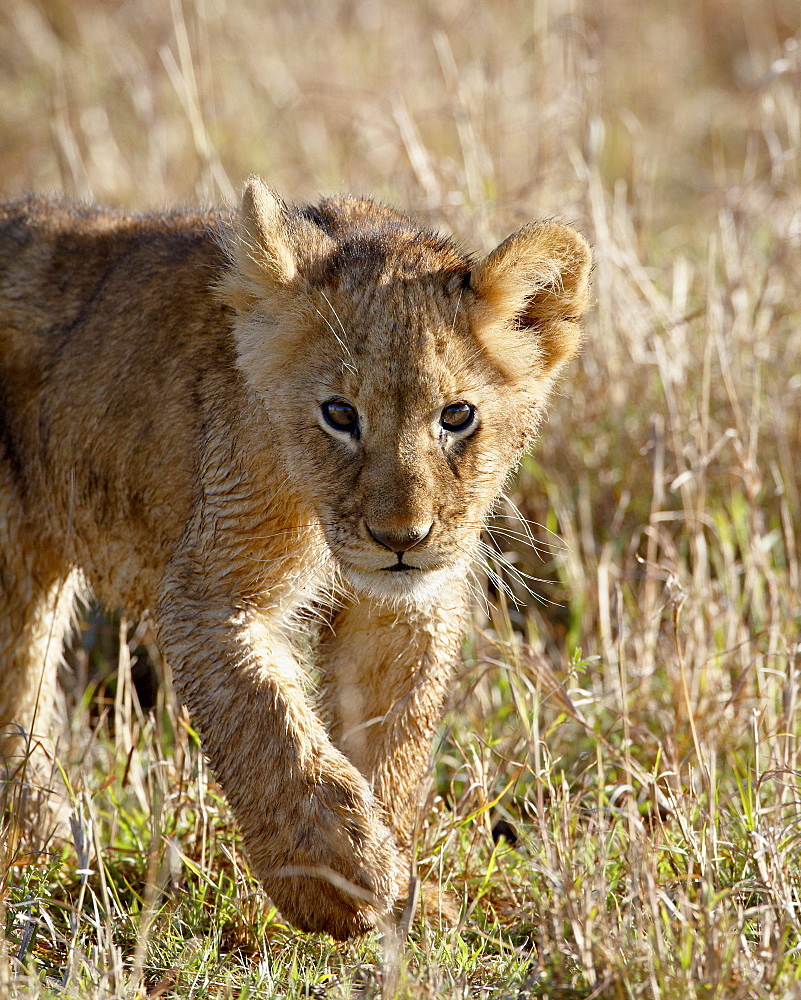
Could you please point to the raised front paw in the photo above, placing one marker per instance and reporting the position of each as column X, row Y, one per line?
column 339, row 868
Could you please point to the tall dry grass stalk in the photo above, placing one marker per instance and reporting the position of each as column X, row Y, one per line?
column 637, row 721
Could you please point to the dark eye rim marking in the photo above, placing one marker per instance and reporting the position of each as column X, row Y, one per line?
column 341, row 416
column 462, row 422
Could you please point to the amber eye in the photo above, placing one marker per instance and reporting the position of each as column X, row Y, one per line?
column 457, row 416
column 341, row 416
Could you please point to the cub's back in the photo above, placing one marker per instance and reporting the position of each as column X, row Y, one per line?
column 112, row 345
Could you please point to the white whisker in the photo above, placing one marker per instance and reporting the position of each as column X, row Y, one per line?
column 496, row 564
column 478, row 591
column 526, row 524
column 345, row 364
column 517, row 536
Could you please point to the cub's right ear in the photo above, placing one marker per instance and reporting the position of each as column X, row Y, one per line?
column 265, row 232
column 270, row 247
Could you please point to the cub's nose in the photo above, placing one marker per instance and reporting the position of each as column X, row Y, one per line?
column 400, row 539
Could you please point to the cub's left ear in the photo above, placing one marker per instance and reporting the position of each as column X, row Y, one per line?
column 532, row 291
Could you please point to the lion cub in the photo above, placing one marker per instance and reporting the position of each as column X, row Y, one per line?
column 227, row 418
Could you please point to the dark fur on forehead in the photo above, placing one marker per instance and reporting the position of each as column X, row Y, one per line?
column 375, row 238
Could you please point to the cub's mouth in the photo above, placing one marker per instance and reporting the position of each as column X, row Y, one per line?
column 401, row 567
column 401, row 582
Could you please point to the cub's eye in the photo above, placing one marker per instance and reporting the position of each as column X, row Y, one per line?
column 457, row 416
column 341, row 416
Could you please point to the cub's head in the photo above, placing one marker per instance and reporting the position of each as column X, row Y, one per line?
column 401, row 379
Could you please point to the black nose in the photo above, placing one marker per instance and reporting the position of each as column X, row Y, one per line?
column 400, row 539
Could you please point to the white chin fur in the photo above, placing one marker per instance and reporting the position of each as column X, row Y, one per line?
column 414, row 587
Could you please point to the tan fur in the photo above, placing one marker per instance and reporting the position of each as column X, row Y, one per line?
column 162, row 444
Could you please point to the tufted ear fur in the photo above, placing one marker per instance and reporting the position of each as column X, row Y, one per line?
column 270, row 247
column 532, row 291
column 272, row 251
column 265, row 229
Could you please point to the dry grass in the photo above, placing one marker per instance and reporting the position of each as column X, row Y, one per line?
column 656, row 791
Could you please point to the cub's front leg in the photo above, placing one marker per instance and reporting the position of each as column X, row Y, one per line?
column 384, row 676
column 312, row 829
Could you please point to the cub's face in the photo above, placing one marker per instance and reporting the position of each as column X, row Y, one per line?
column 400, row 432
column 401, row 381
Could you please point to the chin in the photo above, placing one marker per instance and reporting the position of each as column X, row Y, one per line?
column 414, row 587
